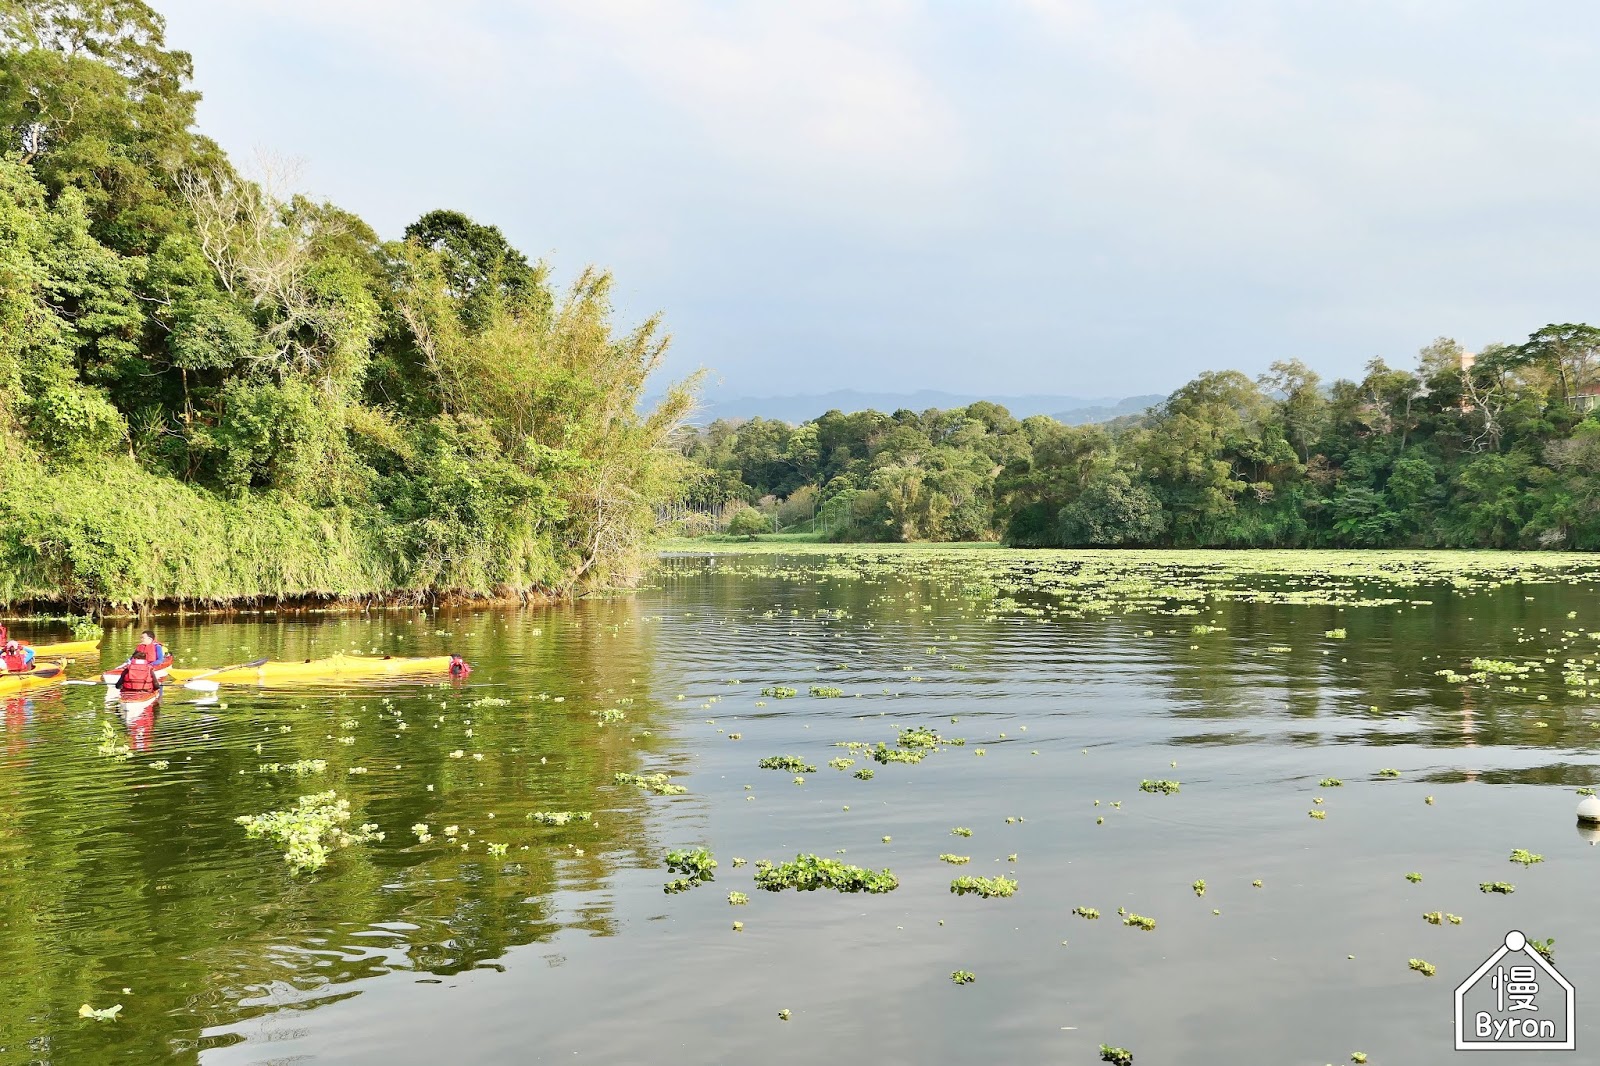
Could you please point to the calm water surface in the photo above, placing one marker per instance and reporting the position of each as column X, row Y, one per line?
column 126, row 880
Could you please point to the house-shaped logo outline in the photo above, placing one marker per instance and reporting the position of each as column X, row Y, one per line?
column 1515, row 937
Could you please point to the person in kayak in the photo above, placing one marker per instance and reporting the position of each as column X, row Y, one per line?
column 137, row 678
column 459, row 667
column 16, row 658
column 154, row 652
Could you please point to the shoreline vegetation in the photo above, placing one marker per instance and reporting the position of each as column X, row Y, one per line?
column 1498, row 448
column 216, row 391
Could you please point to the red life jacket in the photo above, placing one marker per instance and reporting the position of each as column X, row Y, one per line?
column 16, row 662
column 138, row 677
column 459, row 667
column 153, row 652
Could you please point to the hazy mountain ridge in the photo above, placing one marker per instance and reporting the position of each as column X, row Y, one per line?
column 1073, row 410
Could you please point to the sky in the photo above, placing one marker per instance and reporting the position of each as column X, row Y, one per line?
column 1081, row 197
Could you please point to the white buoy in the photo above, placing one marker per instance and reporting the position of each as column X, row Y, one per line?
column 1589, row 809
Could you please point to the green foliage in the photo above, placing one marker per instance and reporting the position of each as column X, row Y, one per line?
column 1166, row 788
column 433, row 410
column 1498, row 451
column 749, row 522
column 1117, row 1056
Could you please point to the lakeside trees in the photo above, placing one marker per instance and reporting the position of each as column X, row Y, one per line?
column 424, row 415
column 1496, row 450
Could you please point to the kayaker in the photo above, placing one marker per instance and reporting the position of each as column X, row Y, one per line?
column 136, row 679
column 459, row 667
column 153, row 652
column 16, row 658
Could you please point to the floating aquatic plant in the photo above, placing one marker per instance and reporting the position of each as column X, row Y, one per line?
column 1388, row 773
column 1525, row 857
column 1199, row 887
column 738, row 899
column 986, row 887
column 961, row 831
column 866, row 773
column 1117, row 1056
column 310, row 830
column 779, row 692
column 1330, row 782
column 112, row 743
column 1139, row 921
column 956, row 860
column 302, row 768
column 1413, row 877
column 103, row 1014
column 784, row 1015
column 963, row 977
column 1086, row 912
column 697, row 864
column 1500, row 887
column 1166, row 788
column 558, row 817
column 1319, row 815
column 810, row 872
column 1546, row 947
column 825, row 692
column 789, row 763
column 660, row 784
column 885, row 754
column 918, row 737
column 1334, row 634
column 841, row 763
column 1426, row 969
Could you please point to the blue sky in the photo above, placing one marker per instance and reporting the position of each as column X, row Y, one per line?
column 1090, row 197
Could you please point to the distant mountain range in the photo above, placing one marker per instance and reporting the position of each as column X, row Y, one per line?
column 1073, row 410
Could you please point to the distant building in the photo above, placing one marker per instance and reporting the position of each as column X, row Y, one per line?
column 1587, row 398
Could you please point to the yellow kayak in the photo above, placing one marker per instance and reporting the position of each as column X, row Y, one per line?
column 311, row 671
column 71, row 647
column 41, row 676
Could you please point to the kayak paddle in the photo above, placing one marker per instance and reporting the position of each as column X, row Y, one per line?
column 198, row 682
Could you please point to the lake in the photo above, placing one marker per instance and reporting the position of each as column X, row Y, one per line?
column 1329, row 723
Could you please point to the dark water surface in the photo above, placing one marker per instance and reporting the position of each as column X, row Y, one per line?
column 126, row 880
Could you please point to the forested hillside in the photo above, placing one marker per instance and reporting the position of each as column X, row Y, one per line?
column 214, row 389
column 1499, row 448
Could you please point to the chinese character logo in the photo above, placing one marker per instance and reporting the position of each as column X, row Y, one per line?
column 1516, row 1001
